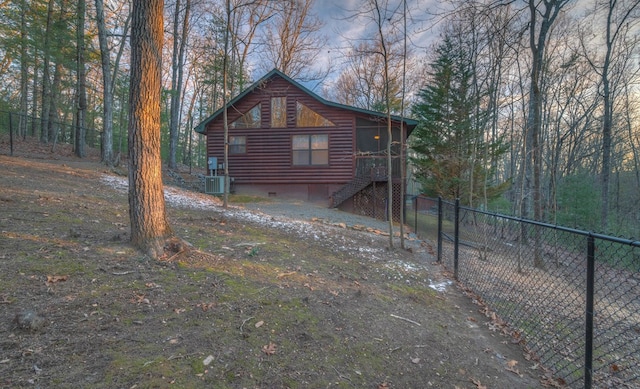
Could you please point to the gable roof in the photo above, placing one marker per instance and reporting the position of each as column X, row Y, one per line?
column 200, row 128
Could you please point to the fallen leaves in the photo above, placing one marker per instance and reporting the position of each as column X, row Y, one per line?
column 285, row 274
column 140, row 299
column 478, row 384
column 56, row 279
column 269, row 349
column 206, row 306
column 511, row 366
column 548, row 381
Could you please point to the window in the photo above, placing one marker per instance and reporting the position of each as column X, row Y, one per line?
column 278, row 112
column 306, row 117
column 237, row 144
column 251, row 119
column 310, row 149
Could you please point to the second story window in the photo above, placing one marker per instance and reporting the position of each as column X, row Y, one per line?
column 250, row 119
column 278, row 112
column 306, row 117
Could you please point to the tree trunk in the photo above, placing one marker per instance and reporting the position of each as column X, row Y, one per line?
column 52, row 119
column 533, row 148
column 175, row 97
column 181, row 55
column 24, row 71
column 82, row 89
column 34, row 93
column 384, row 53
column 614, row 33
column 46, row 82
column 107, row 89
column 149, row 225
column 607, row 120
column 225, row 118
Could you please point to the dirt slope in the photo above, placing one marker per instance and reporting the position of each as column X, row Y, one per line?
column 264, row 301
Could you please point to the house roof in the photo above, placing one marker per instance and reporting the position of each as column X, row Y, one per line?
column 200, row 128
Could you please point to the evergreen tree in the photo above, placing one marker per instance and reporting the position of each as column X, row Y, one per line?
column 450, row 153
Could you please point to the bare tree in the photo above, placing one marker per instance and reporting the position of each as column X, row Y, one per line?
column 245, row 21
column 149, row 225
column 386, row 23
column 539, row 30
column 362, row 81
column 292, row 42
column 177, row 73
column 225, row 118
column 619, row 44
column 235, row 13
column 107, row 90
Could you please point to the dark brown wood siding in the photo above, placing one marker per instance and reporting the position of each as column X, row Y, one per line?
column 269, row 158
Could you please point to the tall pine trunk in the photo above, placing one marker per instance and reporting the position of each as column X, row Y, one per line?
column 175, row 97
column 82, row 90
column 107, row 88
column 179, row 47
column 149, row 224
column 24, row 70
column 46, row 82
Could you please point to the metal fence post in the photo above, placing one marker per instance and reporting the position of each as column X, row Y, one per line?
column 456, row 239
column 588, row 343
column 440, row 229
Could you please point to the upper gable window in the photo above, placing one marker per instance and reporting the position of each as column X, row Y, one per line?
column 306, row 117
column 278, row 112
column 251, row 119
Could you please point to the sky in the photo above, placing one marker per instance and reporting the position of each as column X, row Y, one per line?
column 340, row 30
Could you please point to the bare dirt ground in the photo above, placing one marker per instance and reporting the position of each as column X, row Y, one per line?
column 262, row 301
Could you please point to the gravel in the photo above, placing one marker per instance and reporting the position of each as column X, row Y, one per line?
column 307, row 220
column 283, row 210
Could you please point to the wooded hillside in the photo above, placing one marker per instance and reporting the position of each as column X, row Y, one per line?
column 549, row 98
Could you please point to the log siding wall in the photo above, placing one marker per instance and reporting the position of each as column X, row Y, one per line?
column 268, row 157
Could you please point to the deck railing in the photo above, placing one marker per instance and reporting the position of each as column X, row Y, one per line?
column 376, row 167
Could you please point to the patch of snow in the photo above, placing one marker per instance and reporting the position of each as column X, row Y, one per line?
column 119, row 183
column 173, row 196
column 440, row 286
column 304, row 229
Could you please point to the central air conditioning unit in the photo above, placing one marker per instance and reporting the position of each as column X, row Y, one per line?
column 214, row 185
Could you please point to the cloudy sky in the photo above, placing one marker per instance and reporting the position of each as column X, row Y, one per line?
column 341, row 28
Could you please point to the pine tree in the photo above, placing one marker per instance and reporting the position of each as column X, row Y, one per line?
column 450, row 150
column 149, row 224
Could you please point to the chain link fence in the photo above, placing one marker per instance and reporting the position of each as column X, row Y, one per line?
column 571, row 297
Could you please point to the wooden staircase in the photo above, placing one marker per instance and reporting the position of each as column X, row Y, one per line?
column 349, row 189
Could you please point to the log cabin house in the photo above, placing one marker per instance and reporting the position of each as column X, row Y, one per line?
column 285, row 141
